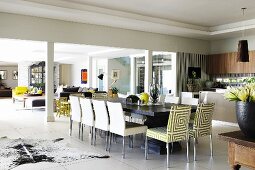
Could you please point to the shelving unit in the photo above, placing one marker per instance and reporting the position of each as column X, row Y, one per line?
column 37, row 74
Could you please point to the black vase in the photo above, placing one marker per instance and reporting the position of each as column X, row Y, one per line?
column 245, row 113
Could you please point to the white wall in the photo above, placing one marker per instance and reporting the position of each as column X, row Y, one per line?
column 42, row 29
column 9, row 82
column 123, row 84
column 230, row 45
column 76, row 74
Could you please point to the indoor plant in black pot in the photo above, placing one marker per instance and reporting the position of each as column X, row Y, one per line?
column 245, row 107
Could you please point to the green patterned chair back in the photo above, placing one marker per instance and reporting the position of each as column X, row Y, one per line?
column 177, row 127
column 202, row 125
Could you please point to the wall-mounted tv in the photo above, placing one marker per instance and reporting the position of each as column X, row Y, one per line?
column 194, row 72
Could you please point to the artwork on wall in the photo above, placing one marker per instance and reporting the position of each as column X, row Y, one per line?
column 115, row 74
column 84, row 76
column 3, row 74
column 15, row 75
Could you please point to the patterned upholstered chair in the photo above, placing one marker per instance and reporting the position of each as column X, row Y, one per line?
column 202, row 125
column 62, row 106
column 176, row 130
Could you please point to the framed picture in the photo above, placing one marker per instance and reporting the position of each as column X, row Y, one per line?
column 115, row 74
column 3, row 74
column 15, row 75
column 84, row 76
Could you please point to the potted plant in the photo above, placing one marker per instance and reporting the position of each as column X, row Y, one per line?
column 154, row 93
column 245, row 107
column 115, row 91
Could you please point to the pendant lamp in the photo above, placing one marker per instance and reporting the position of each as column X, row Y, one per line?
column 243, row 51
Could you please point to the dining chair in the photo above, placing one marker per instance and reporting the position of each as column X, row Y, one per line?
column 172, row 99
column 75, row 112
column 101, row 119
column 189, row 101
column 87, row 116
column 176, row 130
column 202, row 125
column 119, row 126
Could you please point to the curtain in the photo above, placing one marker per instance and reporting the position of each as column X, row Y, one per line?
column 185, row 60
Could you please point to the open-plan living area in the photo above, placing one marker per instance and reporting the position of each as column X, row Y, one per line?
column 127, row 85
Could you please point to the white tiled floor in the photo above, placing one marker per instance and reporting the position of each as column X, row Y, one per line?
column 18, row 123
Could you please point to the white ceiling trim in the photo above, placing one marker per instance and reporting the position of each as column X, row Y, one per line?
column 101, row 16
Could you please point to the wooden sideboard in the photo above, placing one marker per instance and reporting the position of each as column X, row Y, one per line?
column 241, row 150
column 227, row 63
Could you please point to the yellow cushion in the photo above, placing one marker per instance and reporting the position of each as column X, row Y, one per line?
column 20, row 90
column 91, row 91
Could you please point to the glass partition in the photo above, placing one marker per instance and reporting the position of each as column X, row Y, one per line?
column 164, row 71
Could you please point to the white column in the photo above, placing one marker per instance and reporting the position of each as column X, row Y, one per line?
column 132, row 75
column 148, row 70
column 90, row 72
column 49, row 82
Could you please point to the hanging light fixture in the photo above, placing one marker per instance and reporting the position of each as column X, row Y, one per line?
column 243, row 51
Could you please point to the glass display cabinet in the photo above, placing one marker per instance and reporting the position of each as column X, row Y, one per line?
column 37, row 75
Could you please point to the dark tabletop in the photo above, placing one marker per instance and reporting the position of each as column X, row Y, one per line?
column 238, row 138
column 147, row 110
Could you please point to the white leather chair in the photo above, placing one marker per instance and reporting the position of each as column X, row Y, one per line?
column 75, row 113
column 172, row 99
column 101, row 119
column 189, row 101
column 87, row 116
column 119, row 126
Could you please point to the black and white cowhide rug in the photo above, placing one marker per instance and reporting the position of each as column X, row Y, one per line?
column 15, row 152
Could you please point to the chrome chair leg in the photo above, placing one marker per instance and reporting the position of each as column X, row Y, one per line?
column 79, row 130
column 187, row 145
column 123, row 148
column 146, row 148
column 92, row 134
column 71, row 127
column 194, row 143
column 95, row 135
column 167, row 155
column 82, row 126
column 107, row 140
column 211, row 145
column 110, row 142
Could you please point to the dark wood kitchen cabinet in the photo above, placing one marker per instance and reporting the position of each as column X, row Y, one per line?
column 227, row 63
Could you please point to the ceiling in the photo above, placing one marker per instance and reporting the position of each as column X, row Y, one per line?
column 15, row 51
column 203, row 19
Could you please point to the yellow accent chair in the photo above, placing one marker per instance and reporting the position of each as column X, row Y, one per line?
column 18, row 91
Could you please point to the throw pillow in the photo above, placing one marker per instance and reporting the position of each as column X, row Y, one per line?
column 80, row 89
column 85, row 89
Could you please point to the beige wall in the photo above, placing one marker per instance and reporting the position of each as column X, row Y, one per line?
column 65, row 74
column 230, row 45
column 35, row 28
column 9, row 82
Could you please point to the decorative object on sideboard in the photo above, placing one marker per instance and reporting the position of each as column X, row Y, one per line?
column 15, row 75
column 243, row 51
column 115, row 91
column 84, row 76
column 154, row 92
column 194, row 73
column 245, row 107
column 3, row 74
